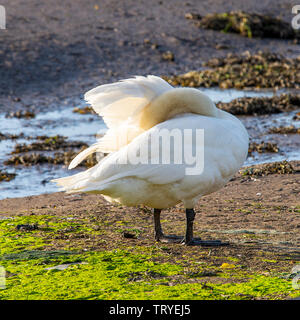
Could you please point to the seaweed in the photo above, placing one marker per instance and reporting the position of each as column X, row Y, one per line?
column 262, row 147
column 261, row 105
column 284, row 130
column 282, row 167
column 59, row 158
column 246, row 24
column 261, row 70
column 49, row 144
column 5, row 176
column 27, row 114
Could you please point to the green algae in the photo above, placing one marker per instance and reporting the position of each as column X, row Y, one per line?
column 138, row 272
column 13, row 240
column 104, row 276
column 35, row 254
column 120, row 274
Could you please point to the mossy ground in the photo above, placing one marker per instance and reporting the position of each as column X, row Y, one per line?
column 101, row 268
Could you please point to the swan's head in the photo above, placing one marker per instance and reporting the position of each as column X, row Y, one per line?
column 174, row 102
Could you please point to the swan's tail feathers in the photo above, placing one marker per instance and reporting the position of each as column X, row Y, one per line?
column 113, row 141
column 74, row 183
column 117, row 138
column 124, row 100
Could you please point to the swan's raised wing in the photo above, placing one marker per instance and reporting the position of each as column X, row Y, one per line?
column 118, row 102
column 120, row 105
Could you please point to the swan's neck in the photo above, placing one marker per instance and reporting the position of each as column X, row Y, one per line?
column 174, row 102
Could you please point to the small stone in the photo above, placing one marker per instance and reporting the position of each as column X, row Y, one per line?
column 128, row 235
column 27, row 227
column 168, row 56
column 61, row 267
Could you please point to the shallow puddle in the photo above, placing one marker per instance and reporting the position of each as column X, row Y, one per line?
column 35, row 180
column 226, row 95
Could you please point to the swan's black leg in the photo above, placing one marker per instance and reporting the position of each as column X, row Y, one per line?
column 189, row 239
column 157, row 226
column 158, row 233
column 190, row 216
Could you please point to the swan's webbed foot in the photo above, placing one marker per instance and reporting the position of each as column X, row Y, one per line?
column 188, row 239
column 169, row 238
column 205, row 243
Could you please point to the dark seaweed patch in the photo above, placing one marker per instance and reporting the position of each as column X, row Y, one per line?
column 31, row 154
column 284, row 130
column 262, row 147
column 5, row 176
column 246, row 24
column 59, row 158
column 261, row 70
column 283, row 167
column 25, row 114
column 49, row 144
column 85, row 110
column 259, row 105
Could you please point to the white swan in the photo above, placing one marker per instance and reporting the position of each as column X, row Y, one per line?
column 137, row 109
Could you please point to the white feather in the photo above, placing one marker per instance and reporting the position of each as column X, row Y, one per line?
column 121, row 101
column 120, row 105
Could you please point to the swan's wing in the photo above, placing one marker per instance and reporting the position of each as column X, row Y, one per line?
column 116, row 103
column 121, row 164
column 120, row 105
column 98, row 177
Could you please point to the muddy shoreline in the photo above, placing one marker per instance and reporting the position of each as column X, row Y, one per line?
column 52, row 51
